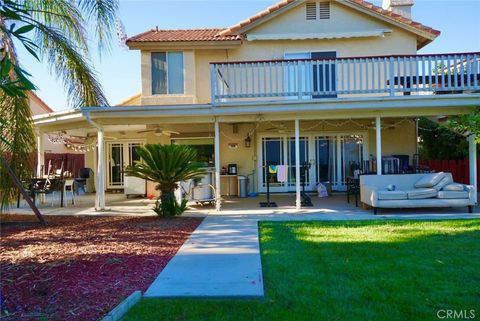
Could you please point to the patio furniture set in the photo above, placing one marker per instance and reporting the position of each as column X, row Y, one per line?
column 415, row 190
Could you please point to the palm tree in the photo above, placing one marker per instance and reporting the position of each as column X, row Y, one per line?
column 166, row 165
column 54, row 31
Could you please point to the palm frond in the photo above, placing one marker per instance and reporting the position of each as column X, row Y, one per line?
column 16, row 145
column 166, row 164
column 79, row 79
column 61, row 15
column 103, row 14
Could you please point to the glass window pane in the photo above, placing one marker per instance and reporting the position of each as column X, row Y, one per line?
column 159, row 73
column 175, row 72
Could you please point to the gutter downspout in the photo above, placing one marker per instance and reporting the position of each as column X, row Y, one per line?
column 100, row 178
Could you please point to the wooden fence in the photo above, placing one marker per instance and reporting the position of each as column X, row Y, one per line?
column 71, row 162
column 458, row 168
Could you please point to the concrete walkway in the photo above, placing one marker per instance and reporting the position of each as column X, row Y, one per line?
column 222, row 257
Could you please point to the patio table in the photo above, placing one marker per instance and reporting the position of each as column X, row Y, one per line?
column 38, row 186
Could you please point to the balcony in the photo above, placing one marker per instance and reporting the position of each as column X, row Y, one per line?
column 311, row 79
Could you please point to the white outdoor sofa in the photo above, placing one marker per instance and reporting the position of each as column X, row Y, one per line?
column 415, row 190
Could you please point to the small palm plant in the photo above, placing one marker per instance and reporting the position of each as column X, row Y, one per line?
column 167, row 165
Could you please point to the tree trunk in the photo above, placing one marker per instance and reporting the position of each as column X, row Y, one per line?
column 167, row 194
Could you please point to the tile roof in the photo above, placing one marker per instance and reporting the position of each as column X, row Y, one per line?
column 367, row 5
column 162, row 35
column 255, row 17
column 231, row 33
column 395, row 16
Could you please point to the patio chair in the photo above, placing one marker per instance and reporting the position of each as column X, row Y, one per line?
column 68, row 186
column 82, row 181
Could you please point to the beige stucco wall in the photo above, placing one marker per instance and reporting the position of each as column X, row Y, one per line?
column 189, row 96
column 292, row 22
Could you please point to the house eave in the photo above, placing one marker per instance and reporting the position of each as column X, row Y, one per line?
column 340, row 108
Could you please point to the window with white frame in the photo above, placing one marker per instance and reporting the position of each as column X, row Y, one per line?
column 167, row 73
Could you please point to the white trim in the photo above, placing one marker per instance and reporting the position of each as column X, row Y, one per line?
column 330, row 35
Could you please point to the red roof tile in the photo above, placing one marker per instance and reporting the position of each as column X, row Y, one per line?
column 395, row 16
column 367, row 5
column 255, row 17
column 231, row 33
column 162, row 35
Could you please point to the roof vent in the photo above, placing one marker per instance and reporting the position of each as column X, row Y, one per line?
column 311, row 11
column 324, row 10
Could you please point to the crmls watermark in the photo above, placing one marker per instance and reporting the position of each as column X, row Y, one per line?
column 456, row 314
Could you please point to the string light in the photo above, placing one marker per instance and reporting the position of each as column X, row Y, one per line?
column 65, row 140
column 319, row 123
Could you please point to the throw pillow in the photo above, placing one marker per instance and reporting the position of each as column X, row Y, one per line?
column 453, row 187
column 429, row 180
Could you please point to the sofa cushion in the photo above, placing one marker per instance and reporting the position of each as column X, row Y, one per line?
column 392, row 195
column 421, row 193
column 447, row 179
column 452, row 194
column 429, row 180
column 453, row 187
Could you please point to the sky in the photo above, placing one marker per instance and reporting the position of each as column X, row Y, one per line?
column 119, row 70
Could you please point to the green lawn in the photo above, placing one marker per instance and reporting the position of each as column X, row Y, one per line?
column 355, row 270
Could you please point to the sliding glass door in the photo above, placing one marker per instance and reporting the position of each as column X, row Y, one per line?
column 331, row 158
column 337, row 157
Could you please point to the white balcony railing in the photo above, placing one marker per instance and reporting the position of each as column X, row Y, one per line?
column 345, row 77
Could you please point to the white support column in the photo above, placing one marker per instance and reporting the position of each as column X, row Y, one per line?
column 100, row 181
column 472, row 160
column 218, row 203
column 40, row 154
column 298, row 201
column 378, row 132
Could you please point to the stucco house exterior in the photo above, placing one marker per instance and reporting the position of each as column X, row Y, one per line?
column 336, row 84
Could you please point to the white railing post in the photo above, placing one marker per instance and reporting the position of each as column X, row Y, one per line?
column 299, row 80
column 218, row 201
column 472, row 161
column 298, row 202
column 378, row 134
column 213, row 83
column 40, row 154
column 391, row 67
column 100, row 189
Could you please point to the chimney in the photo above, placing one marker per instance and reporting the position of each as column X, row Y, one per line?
column 401, row 7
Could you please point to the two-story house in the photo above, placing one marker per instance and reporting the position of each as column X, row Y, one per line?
column 336, row 85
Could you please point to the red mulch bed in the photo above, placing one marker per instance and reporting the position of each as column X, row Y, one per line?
column 79, row 268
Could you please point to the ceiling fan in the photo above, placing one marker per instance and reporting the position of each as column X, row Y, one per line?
column 159, row 132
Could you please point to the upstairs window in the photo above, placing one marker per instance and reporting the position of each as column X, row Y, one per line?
column 317, row 10
column 167, row 73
